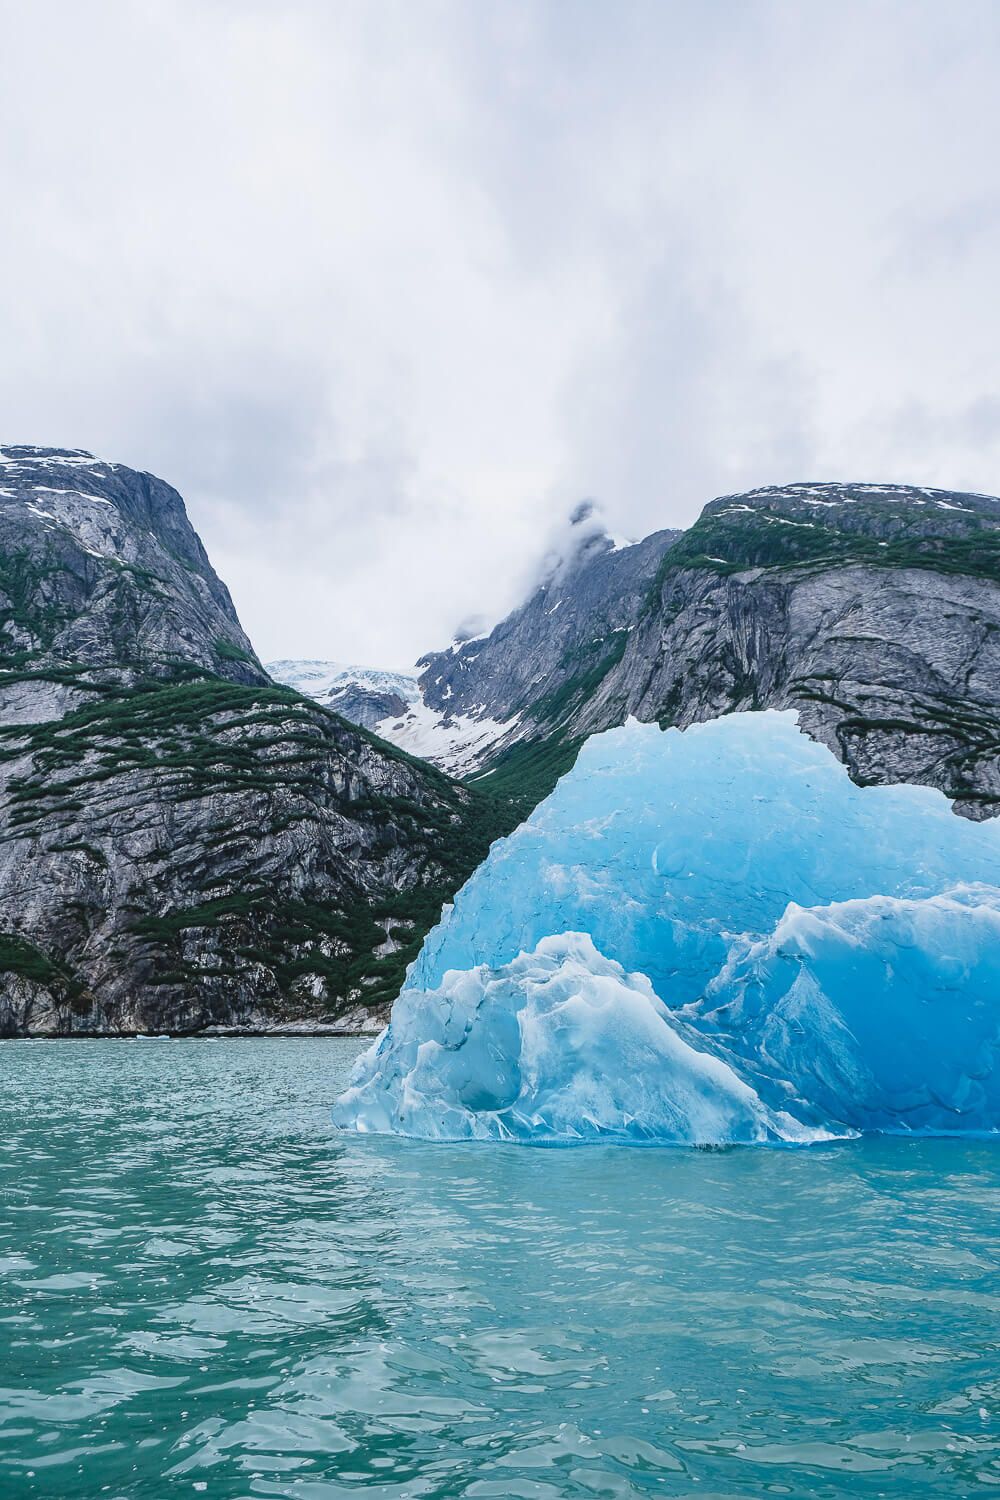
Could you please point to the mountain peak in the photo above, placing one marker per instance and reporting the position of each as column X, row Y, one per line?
column 831, row 494
column 27, row 453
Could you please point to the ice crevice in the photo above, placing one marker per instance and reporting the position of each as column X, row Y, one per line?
column 702, row 937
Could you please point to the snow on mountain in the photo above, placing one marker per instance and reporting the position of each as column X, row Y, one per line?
column 390, row 704
column 319, row 679
column 456, row 742
column 706, row 936
column 363, row 695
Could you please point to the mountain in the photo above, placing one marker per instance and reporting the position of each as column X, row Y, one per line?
column 101, row 569
column 539, row 666
column 364, row 695
column 186, row 843
column 389, row 703
column 463, row 712
column 183, row 842
column 874, row 610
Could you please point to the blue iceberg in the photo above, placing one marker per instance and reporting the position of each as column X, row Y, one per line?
column 705, row 936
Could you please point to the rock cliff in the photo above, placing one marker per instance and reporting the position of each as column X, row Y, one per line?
column 184, row 843
column 874, row 610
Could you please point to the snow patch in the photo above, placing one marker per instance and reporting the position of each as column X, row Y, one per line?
column 319, row 679
column 456, row 742
column 83, row 494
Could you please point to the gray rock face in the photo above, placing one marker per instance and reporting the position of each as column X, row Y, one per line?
column 874, row 610
column 365, row 707
column 560, row 642
column 184, row 843
column 100, row 567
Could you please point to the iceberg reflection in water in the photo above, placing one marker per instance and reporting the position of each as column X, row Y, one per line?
column 703, row 937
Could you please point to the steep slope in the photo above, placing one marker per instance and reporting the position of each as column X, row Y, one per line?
column 872, row 609
column 539, row 667
column 182, row 842
column 101, row 569
column 468, row 702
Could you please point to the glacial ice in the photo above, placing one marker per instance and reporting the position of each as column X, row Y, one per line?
column 559, row 1045
column 705, row 936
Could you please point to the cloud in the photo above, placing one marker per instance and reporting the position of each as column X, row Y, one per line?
column 386, row 287
column 571, row 540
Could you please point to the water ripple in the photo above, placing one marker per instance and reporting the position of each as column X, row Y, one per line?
column 203, row 1289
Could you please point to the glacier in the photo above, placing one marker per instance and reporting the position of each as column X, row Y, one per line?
column 702, row 937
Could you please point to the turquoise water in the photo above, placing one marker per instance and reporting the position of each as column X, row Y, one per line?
column 206, row 1291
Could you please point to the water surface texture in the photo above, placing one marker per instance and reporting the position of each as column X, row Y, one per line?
column 206, row 1290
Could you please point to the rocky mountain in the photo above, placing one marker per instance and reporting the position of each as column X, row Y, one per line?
column 100, row 568
column 183, row 842
column 364, row 695
column 531, row 674
column 390, row 704
column 874, row 610
column 186, row 843
column 468, row 702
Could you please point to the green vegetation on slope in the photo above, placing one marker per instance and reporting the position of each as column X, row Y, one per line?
column 180, row 731
column 526, row 773
column 588, row 665
column 18, row 956
column 523, row 775
column 227, row 650
column 26, row 601
column 731, row 541
column 268, row 759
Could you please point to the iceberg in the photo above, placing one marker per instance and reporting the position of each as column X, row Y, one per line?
column 705, row 936
column 879, row 1014
column 560, row 1045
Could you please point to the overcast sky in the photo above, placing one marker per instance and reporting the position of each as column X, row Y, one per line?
column 386, row 288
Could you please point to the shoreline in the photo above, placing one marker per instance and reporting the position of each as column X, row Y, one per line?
column 236, row 1035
